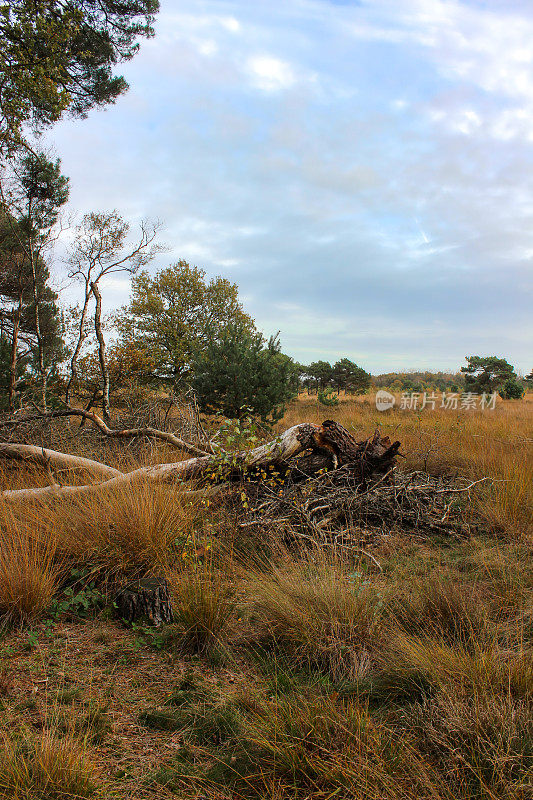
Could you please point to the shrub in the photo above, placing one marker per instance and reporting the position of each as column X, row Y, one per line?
column 327, row 397
column 512, row 390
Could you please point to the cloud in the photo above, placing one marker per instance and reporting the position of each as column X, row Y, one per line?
column 361, row 170
column 270, row 74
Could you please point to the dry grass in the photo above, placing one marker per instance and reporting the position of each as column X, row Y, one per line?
column 410, row 683
column 29, row 571
column 442, row 605
column 319, row 611
column 204, row 607
column 476, row 443
column 319, row 748
column 131, row 531
column 51, row 765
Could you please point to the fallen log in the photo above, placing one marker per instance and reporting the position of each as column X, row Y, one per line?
column 42, row 457
column 330, row 443
column 274, row 453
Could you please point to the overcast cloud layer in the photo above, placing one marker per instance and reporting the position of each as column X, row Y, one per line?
column 361, row 169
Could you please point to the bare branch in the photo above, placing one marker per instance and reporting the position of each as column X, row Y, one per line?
column 154, row 433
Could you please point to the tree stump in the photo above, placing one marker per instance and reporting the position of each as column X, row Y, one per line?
column 333, row 447
column 147, row 600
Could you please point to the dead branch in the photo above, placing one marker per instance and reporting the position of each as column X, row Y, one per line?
column 277, row 452
column 112, row 433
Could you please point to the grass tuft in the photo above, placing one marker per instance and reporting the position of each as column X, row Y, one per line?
column 318, row 612
column 29, row 572
column 48, row 766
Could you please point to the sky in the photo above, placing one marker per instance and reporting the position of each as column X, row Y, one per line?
column 361, row 169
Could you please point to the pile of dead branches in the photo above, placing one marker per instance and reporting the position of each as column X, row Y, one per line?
column 333, row 508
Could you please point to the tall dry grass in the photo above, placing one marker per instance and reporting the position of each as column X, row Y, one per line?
column 50, row 765
column 423, row 677
column 29, row 570
column 318, row 610
column 204, row 606
column 130, row 531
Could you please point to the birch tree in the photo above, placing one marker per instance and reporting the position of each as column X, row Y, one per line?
column 101, row 248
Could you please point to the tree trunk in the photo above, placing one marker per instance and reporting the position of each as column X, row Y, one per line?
column 275, row 453
column 331, row 445
column 76, row 353
column 101, row 350
column 335, row 447
column 17, row 313
column 40, row 343
column 42, row 457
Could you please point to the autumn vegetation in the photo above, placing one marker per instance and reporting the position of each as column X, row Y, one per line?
column 290, row 669
column 318, row 647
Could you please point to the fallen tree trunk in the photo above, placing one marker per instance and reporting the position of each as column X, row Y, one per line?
column 290, row 443
column 42, row 457
column 333, row 445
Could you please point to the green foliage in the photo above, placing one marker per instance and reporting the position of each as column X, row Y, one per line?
column 328, row 397
column 34, row 190
column 175, row 313
column 322, row 372
column 419, row 381
column 235, row 373
column 40, row 192
column 486, row 374
column 78, row 599
column 512, row 390
column 57, row 57
column 348, row 376
column 344, row 374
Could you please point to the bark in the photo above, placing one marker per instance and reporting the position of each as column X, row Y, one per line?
column 336, row 447
column 17, row 313
column 39, row 456
column 38, row 332
column 101, row 349
column 79, row 343
column 146, row 600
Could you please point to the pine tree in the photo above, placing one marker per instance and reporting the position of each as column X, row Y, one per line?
column 238, row 372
